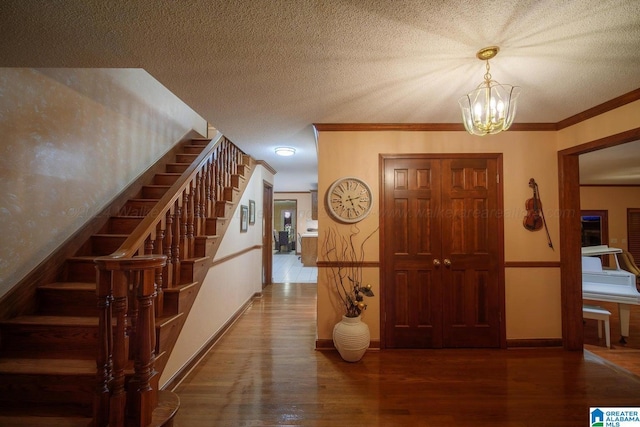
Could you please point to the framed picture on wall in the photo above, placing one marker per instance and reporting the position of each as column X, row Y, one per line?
column 244, row 218
column 252, row 212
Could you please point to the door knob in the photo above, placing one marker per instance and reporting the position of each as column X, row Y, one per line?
column 447, row 262
column 436, row 262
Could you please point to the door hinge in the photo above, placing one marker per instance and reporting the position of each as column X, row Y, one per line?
column 498, row 178
column 500, row 316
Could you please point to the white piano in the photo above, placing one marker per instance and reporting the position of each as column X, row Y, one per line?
column 611, row 284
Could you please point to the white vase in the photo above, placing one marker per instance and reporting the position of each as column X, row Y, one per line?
column 351, row 338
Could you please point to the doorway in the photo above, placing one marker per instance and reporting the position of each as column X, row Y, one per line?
column 569, row 198
column 267, row 227
column 442, row 252
column 285, row 225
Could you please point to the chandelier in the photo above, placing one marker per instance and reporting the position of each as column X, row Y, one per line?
column 491, row 107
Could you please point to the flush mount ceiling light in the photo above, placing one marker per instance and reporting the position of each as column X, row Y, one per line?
column 491, row 107
column 285, row 151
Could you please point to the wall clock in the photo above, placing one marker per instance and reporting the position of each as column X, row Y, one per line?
column 349, row 200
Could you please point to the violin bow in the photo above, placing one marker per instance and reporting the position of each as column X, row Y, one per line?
column 544, row 221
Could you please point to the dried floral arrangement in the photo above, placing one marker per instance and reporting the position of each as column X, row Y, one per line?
column 346, row 259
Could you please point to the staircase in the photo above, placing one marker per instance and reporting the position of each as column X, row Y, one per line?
column 90, row 351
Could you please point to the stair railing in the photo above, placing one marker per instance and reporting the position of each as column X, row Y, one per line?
column 131, row 280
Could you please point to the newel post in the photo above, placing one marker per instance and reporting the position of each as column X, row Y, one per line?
column 119, row 279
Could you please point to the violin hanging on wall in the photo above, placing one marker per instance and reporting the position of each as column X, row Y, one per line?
column 534, row 220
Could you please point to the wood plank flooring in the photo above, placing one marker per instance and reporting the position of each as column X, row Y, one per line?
column 627, row 355
column 265, row 372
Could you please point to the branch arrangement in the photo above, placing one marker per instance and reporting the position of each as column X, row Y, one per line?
column 346, row 259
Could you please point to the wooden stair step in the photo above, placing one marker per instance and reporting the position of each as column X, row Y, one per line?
column 166, row 178
column 44, row 420
column 204, row 245
column 67, row 299
column 189, row 266
column 55, row 337
column 154, row 191
column 193, row 149
column 47, row 381
column 175, row 298
column 223, row 209
column 47, row 366
column 167, row 330
column 123, row 224
column 186, row 157
column 105, row 244
column 80, row 269
column 177, row 167
column 214, row 225
column 230, row 194
column 138, row 207
column 200, row 141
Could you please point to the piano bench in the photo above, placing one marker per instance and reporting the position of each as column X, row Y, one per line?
column 602, row 316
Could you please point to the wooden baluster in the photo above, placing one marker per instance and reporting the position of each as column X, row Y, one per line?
column 175, row 247
column 184, row 225
column 236, row 159
column 209, row 188
column 217, row 185
column 143, row 398
column 197, row 203
column 190, row 206
column 104, row 361
column 227, row 165
column 160, row 272
column 120, row 347
column 168, row 244
column 219, row 178
column 148, row 245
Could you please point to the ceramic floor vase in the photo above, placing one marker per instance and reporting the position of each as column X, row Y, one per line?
column 351, row 338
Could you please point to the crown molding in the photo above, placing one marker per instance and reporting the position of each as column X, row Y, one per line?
column 627, row 98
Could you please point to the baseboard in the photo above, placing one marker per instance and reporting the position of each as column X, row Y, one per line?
column 534, row 342
column 188, row 367
column 326, row 344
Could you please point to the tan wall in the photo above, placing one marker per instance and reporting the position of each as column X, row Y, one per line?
column 610, row 123
column 615, row 200
column 72, row 139
column 525, row 155
column 532, row 295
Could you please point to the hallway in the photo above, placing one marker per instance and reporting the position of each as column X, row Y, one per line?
column 287, row 268
column 265, row 372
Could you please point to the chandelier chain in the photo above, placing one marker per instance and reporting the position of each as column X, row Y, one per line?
column 487, row 75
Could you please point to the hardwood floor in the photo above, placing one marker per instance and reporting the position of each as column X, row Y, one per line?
column 265, row 372
column 627, row 355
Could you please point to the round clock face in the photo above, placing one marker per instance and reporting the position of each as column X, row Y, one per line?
column 349, row 199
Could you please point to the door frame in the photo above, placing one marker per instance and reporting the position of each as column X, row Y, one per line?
column 570, row 254
column 500, row 207
column 267, row 233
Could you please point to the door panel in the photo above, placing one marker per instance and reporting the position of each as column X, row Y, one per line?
column 469, row 192
column 413, row 191
column 441, row 247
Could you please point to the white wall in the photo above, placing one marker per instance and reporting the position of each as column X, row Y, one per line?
column 72, row 139
column 228, row 285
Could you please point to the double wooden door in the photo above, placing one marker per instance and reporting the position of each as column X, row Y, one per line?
column 441, row 266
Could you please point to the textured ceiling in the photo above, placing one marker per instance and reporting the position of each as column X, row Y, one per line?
column 263, row 71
